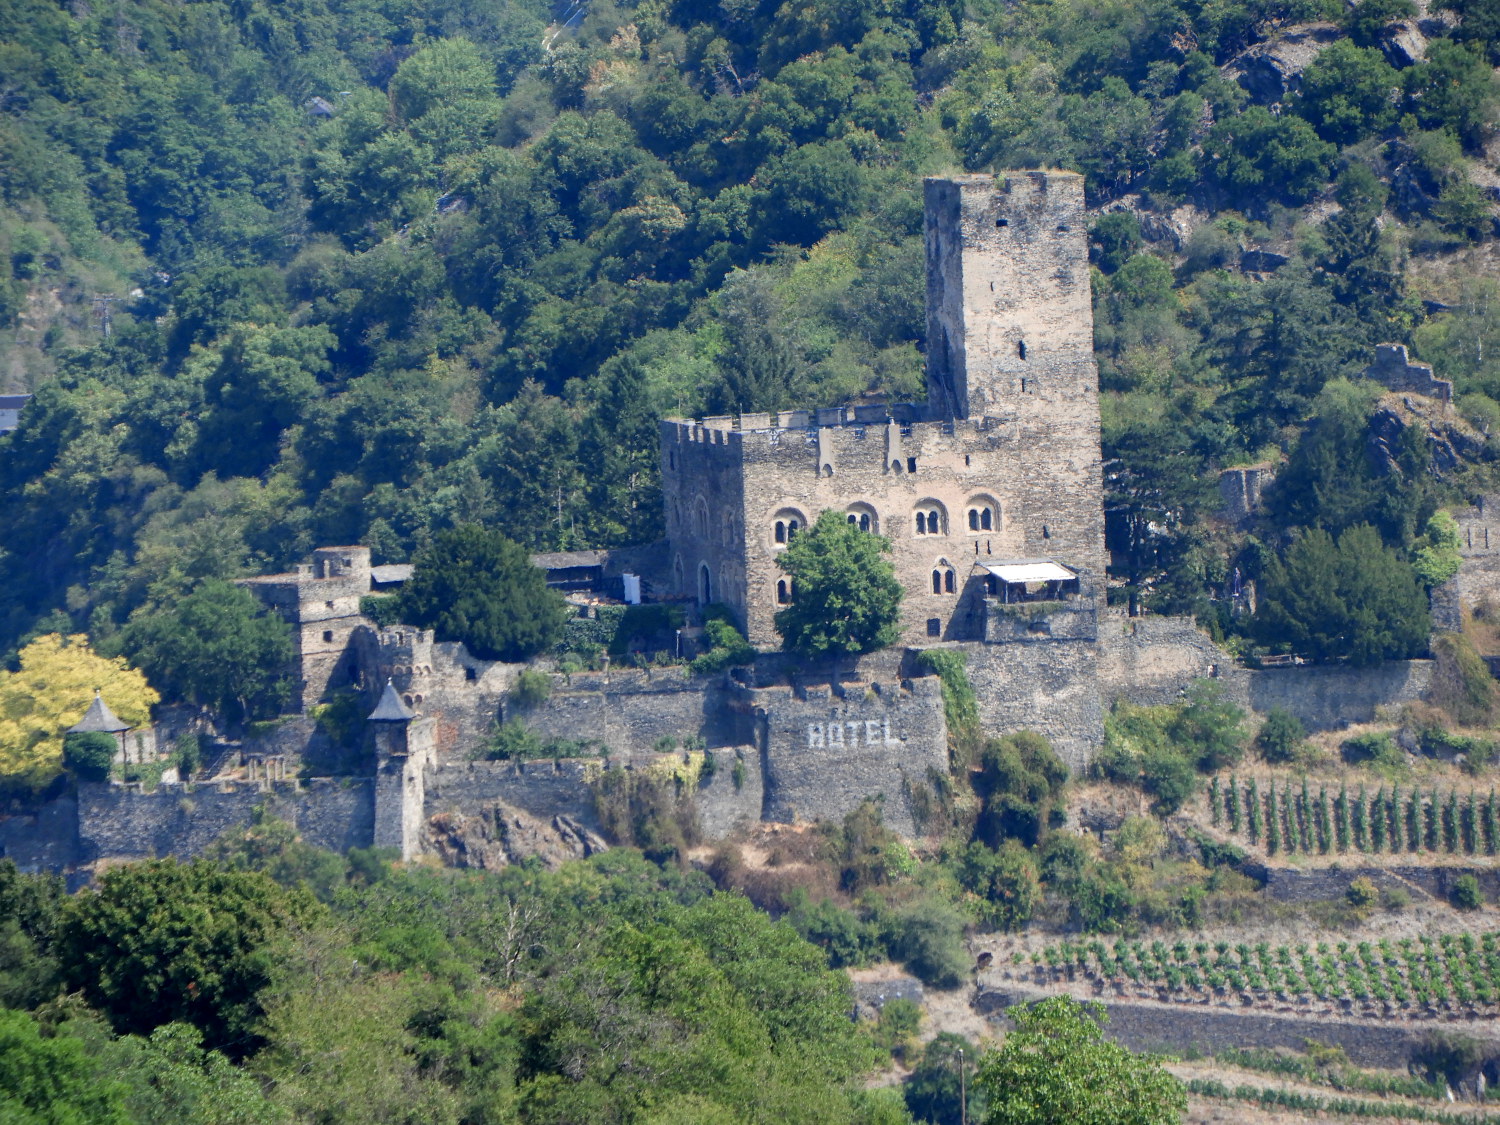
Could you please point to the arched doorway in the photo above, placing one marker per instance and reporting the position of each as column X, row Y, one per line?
column 705, row 585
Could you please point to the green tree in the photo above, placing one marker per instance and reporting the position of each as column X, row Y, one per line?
column 1056, row 1066
column 1354, row 600
column 1349, row 92
column 51, row 1080
column 163, row 941
column 476, row 586
column 845, row 597
column 217, row 646
column 1258, row 153
column 1019, row 783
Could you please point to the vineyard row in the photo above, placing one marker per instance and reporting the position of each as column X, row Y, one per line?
column 1405, row 973
column 1290, row 820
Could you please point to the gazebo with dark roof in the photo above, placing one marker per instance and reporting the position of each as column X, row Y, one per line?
column 99, row 718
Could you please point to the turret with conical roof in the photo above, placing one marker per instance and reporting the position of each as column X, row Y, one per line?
column 99, row 718
column 391, row 708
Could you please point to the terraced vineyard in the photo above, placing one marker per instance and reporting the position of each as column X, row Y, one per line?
column 1389, row 821
column 1451, row 976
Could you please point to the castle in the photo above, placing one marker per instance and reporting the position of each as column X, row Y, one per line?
column 991, row 497
column 990, row 493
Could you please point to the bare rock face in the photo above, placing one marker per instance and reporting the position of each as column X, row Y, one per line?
column 1271, row 72
column 506, row 835
column 1451, row 439
column 1404, row 44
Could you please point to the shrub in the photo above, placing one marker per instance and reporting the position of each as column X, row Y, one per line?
column 928, row 937
column 89, row 754
column 530, row 688
column 727, row 648
column 1362, row 893
column 1465, row 894
column 1376, row 749
column 1280, row 736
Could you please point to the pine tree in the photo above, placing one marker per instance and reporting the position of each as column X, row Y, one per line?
column 1305, row 819
column 1252, row 803
column 1431, row 830
column 1450, row 823
column 1234, row 804
column 1361, row 821
column 1469, row 825
column 1325, row 821
column 1214, row 810
column 1273, row 820
column 1345, row 834
column 1375, row 820
column 1491, row 826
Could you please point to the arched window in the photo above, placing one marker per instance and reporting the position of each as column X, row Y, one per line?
column 700, row 518
column 983, row 514
column 931, row 519
column 863, row 517
column 785, row 524
column 783, row 592
column 942, row 577
column 705, row 585
column 937, row 581
column 948, row 581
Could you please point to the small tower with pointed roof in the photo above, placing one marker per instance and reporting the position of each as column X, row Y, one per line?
column 99, row 719
column 403, row 751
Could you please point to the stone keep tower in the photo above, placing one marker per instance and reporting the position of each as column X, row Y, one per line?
column 1009, row 314
column 993, row 485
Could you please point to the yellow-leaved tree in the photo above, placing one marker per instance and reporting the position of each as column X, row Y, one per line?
column 52, row 690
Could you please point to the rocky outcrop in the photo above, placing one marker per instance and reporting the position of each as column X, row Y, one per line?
column 1451, row 439
column 507, row 835
column 1271, row 72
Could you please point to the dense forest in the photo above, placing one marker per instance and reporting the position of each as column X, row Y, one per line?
column 356, row 271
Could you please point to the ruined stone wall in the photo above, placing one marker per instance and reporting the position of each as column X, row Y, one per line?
column 1394, row 370
column 826, row 749
column 1152, row 660
column 732, row 797
column 120, row 822
column 1328, row 697
column 438, row 679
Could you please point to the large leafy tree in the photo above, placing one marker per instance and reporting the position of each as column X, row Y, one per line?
column 1056, row 1066
column 164, row 941
column 476, row 586
column 217, row 646
column 50, row 692
column 1353, row 599
column 845, row 597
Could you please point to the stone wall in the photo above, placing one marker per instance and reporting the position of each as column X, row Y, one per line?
column 825, row 748
column 43, row 840
column 1394, row 370
column 543, row 788
column 1152, row 660
column 120, row 822
column 630, row 711
column 1051, row 688
column 1328, row 697
column 733, row 796
column 1210, row 1029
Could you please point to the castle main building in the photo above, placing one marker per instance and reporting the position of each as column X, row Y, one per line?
column 990, row 493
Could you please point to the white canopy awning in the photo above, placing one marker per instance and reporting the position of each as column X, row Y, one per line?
column 1029, row 570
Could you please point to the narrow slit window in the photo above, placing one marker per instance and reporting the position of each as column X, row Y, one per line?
column 911, row 464
column 947, row 582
